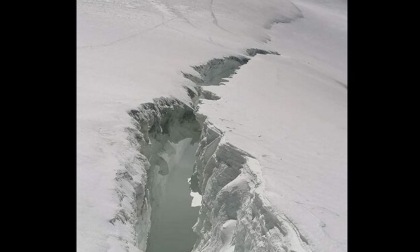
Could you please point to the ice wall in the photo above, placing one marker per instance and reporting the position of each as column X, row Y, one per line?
column 234, row 214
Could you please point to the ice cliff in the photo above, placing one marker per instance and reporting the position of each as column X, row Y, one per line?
column 234, row 214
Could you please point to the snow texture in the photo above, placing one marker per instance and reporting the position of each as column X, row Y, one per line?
column 265, row 100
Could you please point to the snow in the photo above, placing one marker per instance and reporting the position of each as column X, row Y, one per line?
column 227, row 235
column 288, row 111
column 298, row 126
column 196, row 201
column 300, row 141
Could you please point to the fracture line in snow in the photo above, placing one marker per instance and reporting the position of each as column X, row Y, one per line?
column 204, row 71
column 127, row 37
column 235, row 169
column 214, row 17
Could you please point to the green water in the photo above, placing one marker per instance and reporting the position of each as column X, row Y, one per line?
column 172, row 220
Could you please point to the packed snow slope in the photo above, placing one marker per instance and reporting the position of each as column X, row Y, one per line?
column 288, row 111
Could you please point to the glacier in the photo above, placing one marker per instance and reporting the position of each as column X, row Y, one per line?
column 246, row 97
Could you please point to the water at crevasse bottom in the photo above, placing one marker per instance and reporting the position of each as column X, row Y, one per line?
column 172, row 220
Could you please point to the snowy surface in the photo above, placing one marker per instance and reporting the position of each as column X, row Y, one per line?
column 288, row 111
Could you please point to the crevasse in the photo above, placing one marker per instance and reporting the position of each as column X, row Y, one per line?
column 234, row 214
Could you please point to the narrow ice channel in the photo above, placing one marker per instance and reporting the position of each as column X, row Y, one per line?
column 174, row 217
column 175, row 143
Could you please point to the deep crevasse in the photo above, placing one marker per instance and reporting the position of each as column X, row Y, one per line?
column 234, row 214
